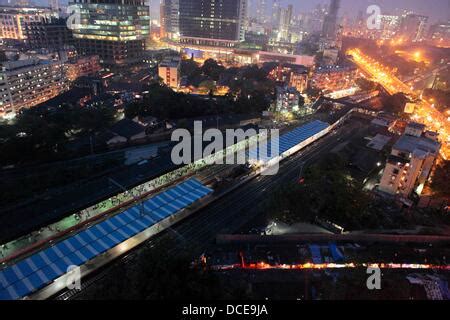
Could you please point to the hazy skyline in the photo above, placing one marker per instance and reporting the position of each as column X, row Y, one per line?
column 436, row 9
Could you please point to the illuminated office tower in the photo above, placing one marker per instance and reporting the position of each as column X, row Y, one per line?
column 389, row 26
column 330, row 27
column 170, row 27
column 285, row 21
column 413, row 27
column 217, row 23
column 13, row 20
column 115, row 30
column 54, row 5
column 276, row 13
column 261, row 11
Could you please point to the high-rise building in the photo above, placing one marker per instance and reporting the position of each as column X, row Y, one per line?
column 413, row 27
column 29, row 82
column 14, row 19
column 330, row 22
column 115, row 30
column 54, row 5
column 170, row 22
column 261, row 11
column 440, row 33
column 276, row 13
column 284, row 23
column 51, row 34
column 218, row 23
column 313, row 21
column 389, row 26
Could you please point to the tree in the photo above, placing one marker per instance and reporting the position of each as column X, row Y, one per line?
column 301, row 101
column 313, row 92
column 395, row 103
column 3, row 57
column 39, row 134
column 190, row 69
column 327, row 193
column 441, row 178
column 208, row 85
column 365, row 85
column 212, row 69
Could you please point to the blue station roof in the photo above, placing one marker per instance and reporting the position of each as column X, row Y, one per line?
column 287, row 141
column 40, row 269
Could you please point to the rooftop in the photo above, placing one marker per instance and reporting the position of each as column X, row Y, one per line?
column 410, row 144
column 170, row 62
column 127, row 128
column 416, row 125
column 379, row 142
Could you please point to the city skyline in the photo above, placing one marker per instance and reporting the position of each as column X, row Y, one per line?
column 439, row 11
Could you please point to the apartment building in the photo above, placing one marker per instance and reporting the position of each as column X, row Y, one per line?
column 29, row 82
column 410, row 163
column 334, row 78
column 83, row 66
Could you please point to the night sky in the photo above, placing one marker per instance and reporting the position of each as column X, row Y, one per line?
column 436, row 9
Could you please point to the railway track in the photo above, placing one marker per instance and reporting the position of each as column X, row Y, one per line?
column 202, row 227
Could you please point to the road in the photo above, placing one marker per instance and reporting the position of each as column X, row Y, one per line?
column 424, row 111
column 233, row 210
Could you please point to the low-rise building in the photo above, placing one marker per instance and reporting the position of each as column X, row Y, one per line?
column 334, row 78
column 82, row 67
column 382, row 124
column 169, row 71
column 410, row 163
column 299, row 80
column 415, row 129
column 264, row 56
column 127, row 130
column 293, row 75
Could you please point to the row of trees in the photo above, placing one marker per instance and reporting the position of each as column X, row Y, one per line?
column 250, row 92
column 328, row 193
column 440, row 98
column 40, row 135
column 195, row 73
column 366, row 84
column 441, row 180
column 394, row 104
